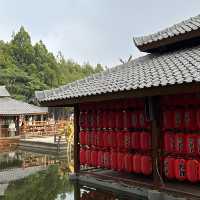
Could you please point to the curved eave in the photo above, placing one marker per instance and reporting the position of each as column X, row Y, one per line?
column 169, row 42
column 192, row 87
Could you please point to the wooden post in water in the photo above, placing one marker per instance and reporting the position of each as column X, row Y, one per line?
column 76, row 139
column 77, row 192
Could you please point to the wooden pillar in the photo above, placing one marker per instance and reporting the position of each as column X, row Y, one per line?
column 77, row 192
column 155, row 116
column 76, row 139
column 1, row 124
column 17, row 126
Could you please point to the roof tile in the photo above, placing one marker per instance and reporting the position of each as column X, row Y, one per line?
column 181, row 66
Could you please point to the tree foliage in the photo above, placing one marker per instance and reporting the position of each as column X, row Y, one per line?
column 25, row 67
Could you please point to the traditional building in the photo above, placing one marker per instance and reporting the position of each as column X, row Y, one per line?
column 11, row 110
column 141, row 120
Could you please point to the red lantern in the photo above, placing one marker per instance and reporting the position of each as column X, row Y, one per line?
column 145, row 140
column 178, row 119
column 82, row 138
column 143, row 123
column 135, row 140
column 120, row 161
column 113, row 137
column 106, row 138
column 119, row 119
column 127, row 119
column 89, row 119
column 127, row 140
column 94, row 119
column 192, row 170
column 146, row 165
column 137, row 163
column 111, row 120
column 134, row 120
column 82, row 119
column 107, row 160
column 191, row 145
column 120, row 140
column 169, row 142
column 113, row 160
column 100, row 159
column 94, row 158
column 180, row 143
column 99, row 119
column 198, row 144
column 180, row 169
column 100, row 140
column 169, row 167
column 128, row 164
column 190, row 121
column 167, row 119
column 88, row 138
column 82, row 157
column 105, row 119
column 88, row 157
column 198, row 118
column 94, row 138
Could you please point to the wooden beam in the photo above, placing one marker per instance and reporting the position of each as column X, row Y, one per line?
column 154, row 107
column 145, row 92
column 76, row 139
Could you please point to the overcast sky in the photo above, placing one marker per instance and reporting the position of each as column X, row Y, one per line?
column 98, row 31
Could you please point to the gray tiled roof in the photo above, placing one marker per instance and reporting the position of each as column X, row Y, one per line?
column 4, row 92
column 9, row 106
column 192, row 24
column 152, row 70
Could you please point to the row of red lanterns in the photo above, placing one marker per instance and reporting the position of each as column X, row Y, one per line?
column 182, row 143
column 188, row 119
column 182, row 169
column 131, row 103
column 118, row 161
column 180, row 100
column 110, row 119
column 116, row 139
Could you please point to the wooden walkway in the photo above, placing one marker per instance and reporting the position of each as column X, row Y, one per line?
column 48, row 145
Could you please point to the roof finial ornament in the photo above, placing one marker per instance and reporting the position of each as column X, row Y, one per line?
column 124, row 61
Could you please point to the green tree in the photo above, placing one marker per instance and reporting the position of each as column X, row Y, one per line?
column 21, row 48
column 25, row 68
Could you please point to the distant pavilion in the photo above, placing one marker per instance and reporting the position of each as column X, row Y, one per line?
column 12, row 110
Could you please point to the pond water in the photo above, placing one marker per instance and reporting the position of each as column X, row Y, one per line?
column 31, row 176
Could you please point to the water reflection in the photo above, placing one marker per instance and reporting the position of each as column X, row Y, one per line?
column 46, row 185
column 50, row 182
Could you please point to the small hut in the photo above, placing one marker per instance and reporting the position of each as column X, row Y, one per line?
column 12, row 110
column 139, row 122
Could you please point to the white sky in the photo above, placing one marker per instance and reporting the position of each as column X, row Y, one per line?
column 98, row 31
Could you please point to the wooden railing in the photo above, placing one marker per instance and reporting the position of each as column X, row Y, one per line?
column 38, row 128
column 43, row 128
column 8, row 144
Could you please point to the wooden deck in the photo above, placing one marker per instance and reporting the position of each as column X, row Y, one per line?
column 138, row 184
